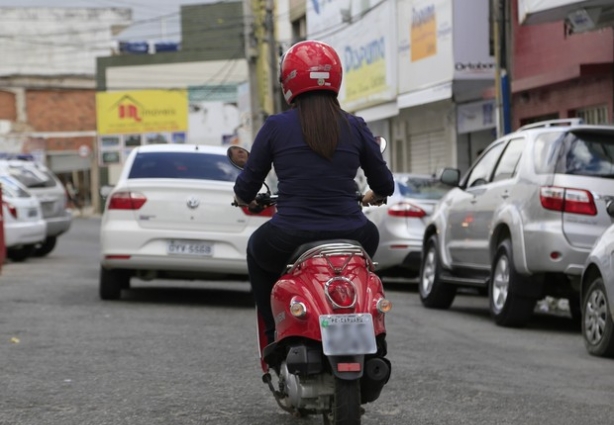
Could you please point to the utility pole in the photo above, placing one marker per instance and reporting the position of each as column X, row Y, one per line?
column 251, row 55
column 500, row 29
column 274, row 57
column 261, row 56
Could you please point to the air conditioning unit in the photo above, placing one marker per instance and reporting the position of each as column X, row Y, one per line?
column 589, row 19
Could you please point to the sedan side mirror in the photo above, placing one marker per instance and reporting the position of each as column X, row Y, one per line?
column 450, row 176
column 610, row 208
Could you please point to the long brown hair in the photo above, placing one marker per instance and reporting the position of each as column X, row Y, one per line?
column 321, row 116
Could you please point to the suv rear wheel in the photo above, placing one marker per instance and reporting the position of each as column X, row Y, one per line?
column 507, row 307
column 433, row 292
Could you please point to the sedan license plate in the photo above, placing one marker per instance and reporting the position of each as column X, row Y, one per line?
column 181, row 247
column 347, row 334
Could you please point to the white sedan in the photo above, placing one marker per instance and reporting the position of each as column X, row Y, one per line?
column 170, row 217
column 24, row 226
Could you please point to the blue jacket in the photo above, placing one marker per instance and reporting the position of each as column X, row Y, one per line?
column 314, row 193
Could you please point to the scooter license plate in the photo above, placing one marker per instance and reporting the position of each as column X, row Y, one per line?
column 347, row 334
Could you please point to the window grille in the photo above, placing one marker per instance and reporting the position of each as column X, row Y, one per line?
column 594, row 114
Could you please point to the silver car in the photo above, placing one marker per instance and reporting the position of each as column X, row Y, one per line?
column 46, row 186
column 401, row 223
column 523, row 219
column 598, row 296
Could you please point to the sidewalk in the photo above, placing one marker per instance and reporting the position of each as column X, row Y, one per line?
column 85, row 212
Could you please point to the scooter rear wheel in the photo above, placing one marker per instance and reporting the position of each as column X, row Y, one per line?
column 346, row 404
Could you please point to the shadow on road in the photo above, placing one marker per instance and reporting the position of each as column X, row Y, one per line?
column 189, row 296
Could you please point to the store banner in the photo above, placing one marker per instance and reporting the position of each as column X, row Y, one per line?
column 361, row 33
column 473, row 54
column 424, row 43
column 142, row 111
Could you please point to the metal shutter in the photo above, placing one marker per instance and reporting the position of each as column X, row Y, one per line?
column 428, row 152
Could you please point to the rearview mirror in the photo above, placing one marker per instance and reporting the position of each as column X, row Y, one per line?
column 237, row 156
column 381, row 142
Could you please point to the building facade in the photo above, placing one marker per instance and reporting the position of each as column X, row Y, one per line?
column 47, row 85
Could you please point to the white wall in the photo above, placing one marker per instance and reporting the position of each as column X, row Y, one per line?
column 54, row 41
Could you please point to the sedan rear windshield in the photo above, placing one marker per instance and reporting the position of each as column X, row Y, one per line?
column 422, row 188
column 182, row 165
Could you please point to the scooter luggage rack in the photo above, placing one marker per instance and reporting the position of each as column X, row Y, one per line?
column 331, row 249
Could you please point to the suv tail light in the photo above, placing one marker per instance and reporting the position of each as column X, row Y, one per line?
column 267, row 212
column 126, row 201
column 11, row 208
column 405, row 209
column 575, row 201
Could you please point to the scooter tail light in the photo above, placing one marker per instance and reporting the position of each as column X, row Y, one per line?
column 341, row 292
column 298, row 309
column 383, row 305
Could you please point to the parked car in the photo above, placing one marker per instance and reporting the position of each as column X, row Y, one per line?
column 523, row 219
column 45, row 185
column 598, row 295
column 401, row 223
column 170, row 217
column 24, row 226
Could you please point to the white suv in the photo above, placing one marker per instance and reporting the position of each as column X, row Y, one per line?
column 523, row 219
column 49, row 190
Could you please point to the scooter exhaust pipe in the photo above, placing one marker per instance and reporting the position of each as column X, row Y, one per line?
column 376, row 375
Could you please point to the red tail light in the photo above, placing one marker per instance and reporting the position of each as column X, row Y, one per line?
column 267, row 212
column 575, row 201
column 341, row 292
column 11, row 208
column 405, row 209
column 126, row 201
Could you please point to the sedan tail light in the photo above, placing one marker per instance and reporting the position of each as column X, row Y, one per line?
column 575, row 201
column 405, row 209
column 126, row 201
column 11, row 208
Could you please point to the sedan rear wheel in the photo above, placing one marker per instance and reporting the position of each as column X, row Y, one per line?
column 112, row 282
column 597, row 326
column 433, row 292
column 507, row 307
column 46, row 246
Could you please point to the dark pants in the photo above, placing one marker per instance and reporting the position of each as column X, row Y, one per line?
column 269, row 249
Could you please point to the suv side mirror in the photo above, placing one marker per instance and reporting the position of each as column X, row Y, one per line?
column 450, row 176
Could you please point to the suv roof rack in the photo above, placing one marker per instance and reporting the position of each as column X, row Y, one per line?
column 552, row 123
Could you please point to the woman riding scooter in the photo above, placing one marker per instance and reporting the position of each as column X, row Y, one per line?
column 316, row 149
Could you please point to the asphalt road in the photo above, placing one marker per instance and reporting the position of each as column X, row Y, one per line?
column 185, row 353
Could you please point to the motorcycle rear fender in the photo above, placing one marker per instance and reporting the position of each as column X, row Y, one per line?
column 347, row 367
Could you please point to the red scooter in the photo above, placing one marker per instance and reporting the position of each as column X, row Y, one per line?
column 329, row 352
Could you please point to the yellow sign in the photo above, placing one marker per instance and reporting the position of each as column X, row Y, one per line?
column 365, row 81
column 423, row 33
column 143, row 111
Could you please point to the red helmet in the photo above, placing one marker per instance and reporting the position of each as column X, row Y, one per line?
column 308, row 66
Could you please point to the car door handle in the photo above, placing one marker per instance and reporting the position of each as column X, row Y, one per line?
column 505, row 195
column 473, row 201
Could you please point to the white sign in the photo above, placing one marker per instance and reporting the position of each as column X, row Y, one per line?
column 84, row 151
column 475, row 116
column 472, row 56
